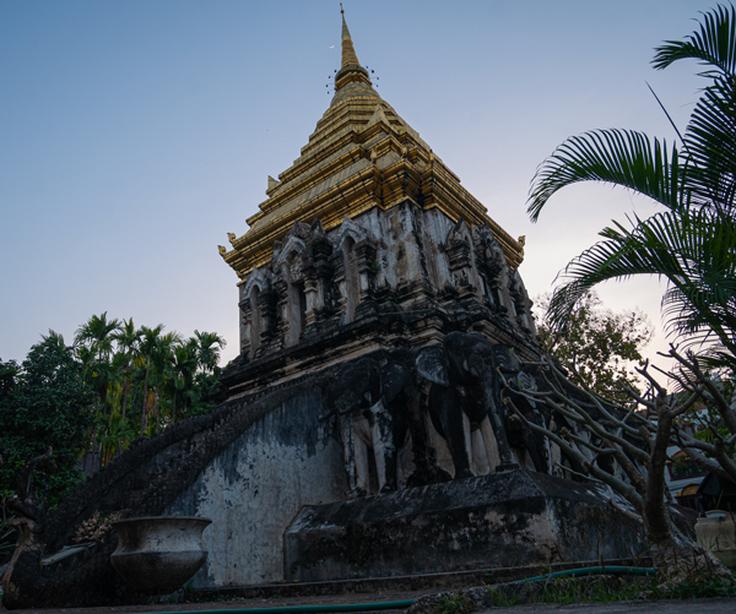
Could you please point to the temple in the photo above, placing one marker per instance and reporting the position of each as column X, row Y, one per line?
column 366, row 431
column 367, row 223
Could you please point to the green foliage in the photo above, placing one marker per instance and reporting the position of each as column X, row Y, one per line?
column 604, row 589
column 704, row 589
column 456, row 603
column 46, row 402
column 565, row 591
column 115, row 384
column 692, row 244
column 145, row 378
column 598, row 347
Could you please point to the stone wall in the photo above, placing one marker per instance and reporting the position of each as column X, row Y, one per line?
column 253, row 489
column 507, row 519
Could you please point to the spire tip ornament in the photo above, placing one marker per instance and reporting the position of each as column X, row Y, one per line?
column 349, row 57
column 350, row 69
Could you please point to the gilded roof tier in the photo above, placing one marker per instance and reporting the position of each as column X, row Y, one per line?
column 361, row 155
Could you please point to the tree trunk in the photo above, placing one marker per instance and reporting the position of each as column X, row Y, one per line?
column 681, row 561
column 155, row 411
column 124, row 396
column 144, row 411
column 25, row 562
column 677, row 558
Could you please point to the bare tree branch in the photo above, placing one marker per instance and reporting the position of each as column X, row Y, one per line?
column 626, row 491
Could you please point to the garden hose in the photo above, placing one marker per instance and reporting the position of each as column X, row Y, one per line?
column 316, row 607
column 406, row 603
column 611, row 570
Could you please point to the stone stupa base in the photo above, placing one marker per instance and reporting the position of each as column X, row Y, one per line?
column 508, row 519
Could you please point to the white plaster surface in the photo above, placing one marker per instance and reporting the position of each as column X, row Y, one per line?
column 255, row 487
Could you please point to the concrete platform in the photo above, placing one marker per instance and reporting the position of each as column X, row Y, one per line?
column 702, row 606
column 507, row 519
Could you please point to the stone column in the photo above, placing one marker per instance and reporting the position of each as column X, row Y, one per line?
column 311, row 294
column 282, row 310
column 245, row 317
column 461, row 267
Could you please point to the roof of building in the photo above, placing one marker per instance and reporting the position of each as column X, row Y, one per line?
column 361, row 155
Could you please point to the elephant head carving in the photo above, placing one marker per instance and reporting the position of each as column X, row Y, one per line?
column 464, row 400
column 371, row 398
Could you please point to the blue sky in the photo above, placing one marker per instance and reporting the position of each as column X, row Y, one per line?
column 134, row 135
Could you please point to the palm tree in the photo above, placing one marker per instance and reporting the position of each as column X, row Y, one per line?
column 184, row 362
column 162, row 358
column 97, row 334
column 127, row 338
column 692, row 242
column 147, row 350
column 208, row 349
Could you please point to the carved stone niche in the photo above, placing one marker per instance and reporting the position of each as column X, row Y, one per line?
column 355, row 252
column 458, row 247
column 318, row 272
column 288, row 270
column 257, row 315
column 522, row 305
column 493, row 271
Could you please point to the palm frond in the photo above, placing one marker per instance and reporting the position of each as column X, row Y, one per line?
column 712, row 44
column 710, row 140
column 620, row 157
column 693, row 249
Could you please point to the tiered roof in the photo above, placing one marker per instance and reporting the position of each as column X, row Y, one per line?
column 361, row 155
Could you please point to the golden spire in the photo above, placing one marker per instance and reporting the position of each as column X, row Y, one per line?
column 350, row 69
column 349, row 57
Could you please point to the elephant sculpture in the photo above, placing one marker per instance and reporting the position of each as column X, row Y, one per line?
column 465, row 401
column 524, row 439
column 374, row 401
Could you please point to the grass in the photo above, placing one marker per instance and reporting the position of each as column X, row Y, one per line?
column 714, row 587
column 602, row 589
column 455, row 604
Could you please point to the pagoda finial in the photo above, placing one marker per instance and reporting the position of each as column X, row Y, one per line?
column 349, row 57
column 351, row 73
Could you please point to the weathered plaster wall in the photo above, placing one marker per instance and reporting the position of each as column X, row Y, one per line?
column 504, row 519
column 398, row 252
column 256, row 486
column 435, row 228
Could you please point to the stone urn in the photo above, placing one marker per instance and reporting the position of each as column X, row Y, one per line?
column 158, row 554
column 717, row 532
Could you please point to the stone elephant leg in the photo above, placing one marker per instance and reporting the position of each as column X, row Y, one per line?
column 490, row 444
column 348, row 450
column 357, row 439
column 498, row 428
column 449, row 419
column 480, row 453
column 384, row 446
column 555, row 453
column 538, row 449
column 423, row 456
column 534, row 444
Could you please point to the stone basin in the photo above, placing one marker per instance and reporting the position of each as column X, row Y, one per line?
column 158, row 554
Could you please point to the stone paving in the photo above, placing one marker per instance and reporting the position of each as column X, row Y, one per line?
column 701, row 606
column 234, row 604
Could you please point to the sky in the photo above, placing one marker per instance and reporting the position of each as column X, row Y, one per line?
column 134, row 135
